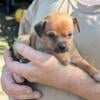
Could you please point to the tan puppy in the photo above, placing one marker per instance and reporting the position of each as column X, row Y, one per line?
column 54, row 35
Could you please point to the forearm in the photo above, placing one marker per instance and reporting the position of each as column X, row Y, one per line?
column 76, row 81
column 47, row 70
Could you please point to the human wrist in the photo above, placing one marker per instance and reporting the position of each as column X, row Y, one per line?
column 57, row 80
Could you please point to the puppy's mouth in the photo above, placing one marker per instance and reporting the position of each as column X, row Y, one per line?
column 61, row 49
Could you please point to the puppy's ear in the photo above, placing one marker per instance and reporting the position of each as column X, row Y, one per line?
column 40, row 27
column 76, row 23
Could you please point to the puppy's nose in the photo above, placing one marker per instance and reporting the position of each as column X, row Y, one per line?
column 62, row 47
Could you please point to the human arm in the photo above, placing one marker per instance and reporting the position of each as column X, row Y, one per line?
column 16, row 91
column 46, row 69
column 8, row 79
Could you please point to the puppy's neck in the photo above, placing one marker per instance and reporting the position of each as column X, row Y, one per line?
column 39, row 44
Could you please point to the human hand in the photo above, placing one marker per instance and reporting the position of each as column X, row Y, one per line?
column 46, row 69
column 16, row 91
column 42, row 68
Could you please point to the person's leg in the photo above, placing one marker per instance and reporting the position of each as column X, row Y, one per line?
column 12, row 2
column 7, row 3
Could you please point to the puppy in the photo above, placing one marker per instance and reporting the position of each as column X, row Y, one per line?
column 55, row 35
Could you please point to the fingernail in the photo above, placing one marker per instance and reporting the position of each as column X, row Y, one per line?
column 37, row 95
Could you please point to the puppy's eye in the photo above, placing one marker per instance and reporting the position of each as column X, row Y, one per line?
column 51, row 35
column 69, row 35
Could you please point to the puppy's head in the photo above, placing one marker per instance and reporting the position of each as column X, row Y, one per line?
column 56, row 32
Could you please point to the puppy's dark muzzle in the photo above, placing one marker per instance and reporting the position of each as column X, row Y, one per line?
column 61, row 48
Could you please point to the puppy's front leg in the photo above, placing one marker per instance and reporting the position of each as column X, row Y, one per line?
column 83, row 64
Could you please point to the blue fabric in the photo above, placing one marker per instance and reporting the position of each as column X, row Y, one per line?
column 9, row 3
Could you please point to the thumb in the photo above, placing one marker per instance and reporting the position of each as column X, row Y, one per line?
column 31, row 54
column 14, row 66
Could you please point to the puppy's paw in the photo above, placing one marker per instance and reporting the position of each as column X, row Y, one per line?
column 65, row 62
column 97, row 77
